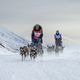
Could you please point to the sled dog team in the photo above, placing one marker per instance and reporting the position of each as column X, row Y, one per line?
column 37, row 39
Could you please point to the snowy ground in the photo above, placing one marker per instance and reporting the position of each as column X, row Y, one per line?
column 63, row 66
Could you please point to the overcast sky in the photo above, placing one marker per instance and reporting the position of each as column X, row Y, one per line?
column 20, row 16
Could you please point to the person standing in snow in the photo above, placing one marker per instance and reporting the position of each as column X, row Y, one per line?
column 37, row 34
column 58, row 38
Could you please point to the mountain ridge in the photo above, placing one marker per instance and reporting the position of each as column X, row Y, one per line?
column 10, row 40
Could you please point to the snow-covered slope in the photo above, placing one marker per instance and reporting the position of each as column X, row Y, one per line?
column 10, row 40
column 63, row 66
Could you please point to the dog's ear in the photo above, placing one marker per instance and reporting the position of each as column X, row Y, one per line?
column 21, row 47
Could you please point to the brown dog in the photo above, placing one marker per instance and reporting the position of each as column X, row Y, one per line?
column 33, row 53
column 24, row 51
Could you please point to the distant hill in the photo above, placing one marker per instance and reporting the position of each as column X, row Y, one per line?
column 10, row 40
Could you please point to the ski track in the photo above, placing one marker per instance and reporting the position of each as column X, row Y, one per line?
column 65, row 66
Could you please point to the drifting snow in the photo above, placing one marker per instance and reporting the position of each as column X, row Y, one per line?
column 62, row 66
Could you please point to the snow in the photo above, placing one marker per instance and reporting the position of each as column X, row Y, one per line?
column 10, row 40
column 63, row 66
column 50, row 66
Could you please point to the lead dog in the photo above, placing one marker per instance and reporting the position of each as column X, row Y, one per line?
column 24, row 51
column 33, row 51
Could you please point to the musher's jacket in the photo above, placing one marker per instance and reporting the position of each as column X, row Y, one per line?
column 37, row 34
column 58, row 36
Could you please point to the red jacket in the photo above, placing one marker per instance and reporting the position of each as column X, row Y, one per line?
column 37, row 34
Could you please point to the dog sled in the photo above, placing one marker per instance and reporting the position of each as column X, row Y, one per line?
column 58, row 47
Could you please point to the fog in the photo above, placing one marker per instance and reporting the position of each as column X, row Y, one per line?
column 20, row 16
